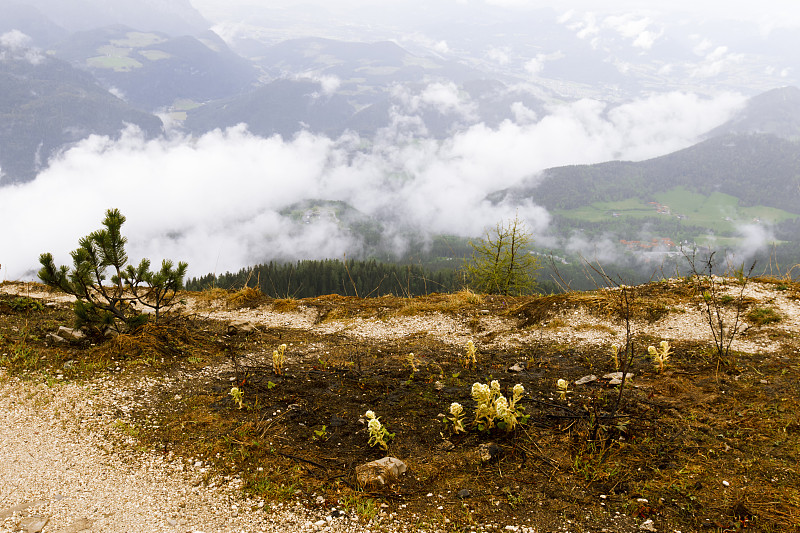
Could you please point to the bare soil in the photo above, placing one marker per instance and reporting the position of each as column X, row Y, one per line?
column 712, row 443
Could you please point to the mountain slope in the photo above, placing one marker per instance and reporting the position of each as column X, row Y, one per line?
column 45, row 104
column 30, row 21
column 154, row 70
column 175, row 17
column 776, row 112
column 759, row 169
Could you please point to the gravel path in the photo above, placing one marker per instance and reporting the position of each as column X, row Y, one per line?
column 58, row 474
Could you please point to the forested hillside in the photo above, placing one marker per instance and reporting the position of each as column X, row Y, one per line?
column 305, row 279
column 759, row 169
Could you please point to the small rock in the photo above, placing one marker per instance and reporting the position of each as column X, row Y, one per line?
column 616, row 377
column 381, row 472
column 70, row 334
column 172, row 522
column 34, row 524
column 236, row 328
column 648, row 525
column 518, row 367
column 438, row 385
column 82, row 524
column 52, row 337
column 586, row 379
column 446, row 445
column 337, row 421
column 489, row 452
column 464, row 494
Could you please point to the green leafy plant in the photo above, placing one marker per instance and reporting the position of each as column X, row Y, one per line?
column 321, row 434
column 413, row 363
column 100, row 305
column 237, row 395
column 23, row 303
column 761, row 316
column 615, row 355
column 470, row 355
column 660, row 355
column 378, row 434
column 20, row 356
column 562, row 387
column 278, row 358
column 494, row 409
column 456, row 417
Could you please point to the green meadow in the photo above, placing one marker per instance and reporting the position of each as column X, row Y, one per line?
column 718, row 212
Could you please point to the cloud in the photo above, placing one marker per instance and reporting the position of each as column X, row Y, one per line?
column 329, row 83
column 501, row 56
column 536, row 65
column 16, row 45
column 715, row 63
column 634, row 28
column 587, row 27
column 755, row 239
column 445, row 98
column 220, row 201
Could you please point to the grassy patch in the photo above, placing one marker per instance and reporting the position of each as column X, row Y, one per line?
column 761, row 316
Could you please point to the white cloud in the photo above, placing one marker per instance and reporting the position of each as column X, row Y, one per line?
column 117, row 92
column 535, row 65
column 522, row 114
column 441, row 47
column 446, row 98
column 16, row 45
column 329, row 83
column 715, row 63
column 635, row 28
column 587, row 27
column 501, row 56
column 216, row 201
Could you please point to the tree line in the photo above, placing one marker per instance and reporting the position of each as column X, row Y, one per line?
column 311, row 278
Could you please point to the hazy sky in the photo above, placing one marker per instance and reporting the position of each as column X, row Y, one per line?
column 771, row 12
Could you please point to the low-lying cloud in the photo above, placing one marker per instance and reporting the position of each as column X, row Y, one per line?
column 218, row 201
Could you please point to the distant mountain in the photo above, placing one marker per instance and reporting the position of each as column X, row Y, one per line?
column 282, row 107
column 46, row 104
column 30, row 21
column 376, row 63
column 174, row 17
column 759, row 169
column 330, row 86
column 776, row 112
column 153, row 70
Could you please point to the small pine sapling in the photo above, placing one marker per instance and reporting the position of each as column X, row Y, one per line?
column 101, row 305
